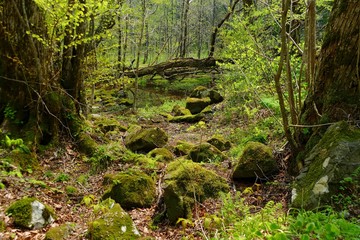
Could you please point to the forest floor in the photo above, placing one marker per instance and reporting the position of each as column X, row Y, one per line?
column 63, row 166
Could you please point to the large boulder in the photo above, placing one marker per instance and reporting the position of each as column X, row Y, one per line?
column 185, row 182
column 113, row 223
column 145, row 140
column 256, row 161
column 196, row 105
column 131, row 189
column 206, row 152
column 334, row 158
column 30, row 213
column 183, row 148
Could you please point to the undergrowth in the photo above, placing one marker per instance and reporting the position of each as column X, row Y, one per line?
column 238, row 220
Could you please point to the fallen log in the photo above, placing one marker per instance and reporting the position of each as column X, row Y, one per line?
column 175, row 67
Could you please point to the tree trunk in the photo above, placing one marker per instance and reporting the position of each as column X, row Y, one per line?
column 336, row 92
column 43, row 107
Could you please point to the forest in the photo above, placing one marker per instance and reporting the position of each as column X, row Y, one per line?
column 179, row 119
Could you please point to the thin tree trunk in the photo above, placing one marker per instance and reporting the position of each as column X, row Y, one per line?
column 216, row 29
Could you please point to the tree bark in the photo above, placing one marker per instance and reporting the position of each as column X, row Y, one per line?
column 337, row 84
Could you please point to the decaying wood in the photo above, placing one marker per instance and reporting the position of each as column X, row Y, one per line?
column 175, row 67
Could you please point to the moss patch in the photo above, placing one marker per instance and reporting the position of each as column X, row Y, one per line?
column 184, row 181
column 196, row 105
column 61, row 232
column 206, row 153
column 161, row 154
column 256, row 161
column 112, row 225
column 131, row 189
column 146, row 139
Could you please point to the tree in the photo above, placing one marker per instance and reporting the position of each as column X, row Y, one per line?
column 41, row 103
column 336, row 92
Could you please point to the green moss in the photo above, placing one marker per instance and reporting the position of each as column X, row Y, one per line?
column 21, row 212
column 86, row 144
column 206, row 152
column 161, row 154
column 219, row 142
column 196, row 105
column 2, row 226
column 180, row 111
column 146, row 139
column 186, row 180
column 186, row 118
column 131, row 189
column 24, row 160
column 71, row 190
column 256, row 161
column 61, row 232
column 183, row 148
column 112, row 225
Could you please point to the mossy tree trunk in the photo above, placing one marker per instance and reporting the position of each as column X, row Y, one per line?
column 336, row 92
column 34, row 103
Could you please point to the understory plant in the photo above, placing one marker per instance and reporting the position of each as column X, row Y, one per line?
column 238, row 220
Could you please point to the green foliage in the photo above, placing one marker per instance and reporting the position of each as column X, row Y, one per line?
column 15, row 144
column 9, row 112
column 37, row 183
column 348, row 197
column 71, row 190
column 237, row 220
column 62, row 177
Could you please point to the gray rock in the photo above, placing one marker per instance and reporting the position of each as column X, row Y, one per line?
column 335, row 157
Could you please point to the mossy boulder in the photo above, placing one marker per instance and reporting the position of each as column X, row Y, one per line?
column 61, row 232
column 186, row 180
column 203, row 92
column 186, row 118
column 114, row 223
column 30, row 213
column 161, row 154
column 183, row 148
column 145, row 140
column 334, row 158
column 206, row 152
column 131, row 189
column 219, row 142
column 196, row 105
column 180, row 111
column 256, row 161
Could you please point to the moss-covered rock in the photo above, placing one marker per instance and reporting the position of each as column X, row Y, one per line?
column 113, row 224
column 183, row 148
column 180, row 111
column 131, row 189
column 161, row 154
column 334, row 158
column 196, row 105
column 30, row 213
column 61, row 232
column 206, row 152
column 145, row 140
column 186, row 118
column 186, row 180
column 256, row 161
column 203, row 92
column 219, row 142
